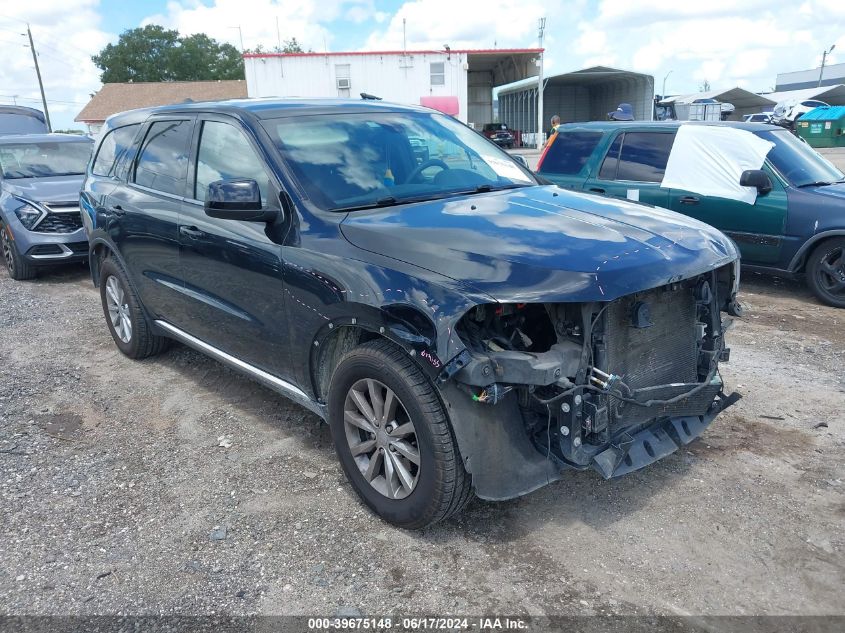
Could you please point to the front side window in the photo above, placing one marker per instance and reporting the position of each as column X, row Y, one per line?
column 643, row 156
column 375, row 159
column 225, row 153
column 438, row 74
column 42, row 160
column 570, row 152
column 112, row 148
column 799, row 163
column 163, row 161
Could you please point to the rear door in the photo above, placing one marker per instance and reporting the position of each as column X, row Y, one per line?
column 142, row 212
column 232, row 269
column 633, row 167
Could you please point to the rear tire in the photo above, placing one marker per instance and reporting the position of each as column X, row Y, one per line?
column 425, row 491
column 19, row 269
column 826, row 272
column 125, row 317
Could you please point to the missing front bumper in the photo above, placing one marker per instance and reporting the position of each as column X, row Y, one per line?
column 630, row 452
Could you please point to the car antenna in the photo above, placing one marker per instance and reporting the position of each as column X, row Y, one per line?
column 366, row 96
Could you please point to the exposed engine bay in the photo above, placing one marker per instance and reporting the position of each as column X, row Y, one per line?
column 610, row 385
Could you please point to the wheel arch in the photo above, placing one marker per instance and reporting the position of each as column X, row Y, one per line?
column 799, row 260
column 403, row 325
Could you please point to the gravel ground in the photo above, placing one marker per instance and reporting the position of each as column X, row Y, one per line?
column 174, row 485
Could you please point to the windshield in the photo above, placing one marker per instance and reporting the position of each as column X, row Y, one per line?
column 799, row 163
column 376, row 159
column 38, row 160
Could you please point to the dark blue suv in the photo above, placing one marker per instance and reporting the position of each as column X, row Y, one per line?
column 461, row 327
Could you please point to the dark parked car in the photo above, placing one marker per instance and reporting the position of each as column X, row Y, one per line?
column 500, row 134
column 40, row 179
column 795, row 226
column 460, row 326
column 22, row 120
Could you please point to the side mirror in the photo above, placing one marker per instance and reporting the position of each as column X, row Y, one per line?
column 521, row 159
column 236, row 199
column 756, row 178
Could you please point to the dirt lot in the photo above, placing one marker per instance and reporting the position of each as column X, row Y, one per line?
column 117, row 497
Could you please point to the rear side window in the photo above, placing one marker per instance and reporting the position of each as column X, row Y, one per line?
column 570, row 152
column 638, row 157
column 163, row 161
column 112, row 148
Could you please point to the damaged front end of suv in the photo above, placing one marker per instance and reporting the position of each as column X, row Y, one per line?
column 579, row 331
column 612, row 386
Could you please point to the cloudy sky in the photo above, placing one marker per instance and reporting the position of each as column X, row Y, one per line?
column 726, row 42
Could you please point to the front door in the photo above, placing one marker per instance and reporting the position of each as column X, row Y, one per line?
column 633, row 167
column 756, row 228
column 232, row 269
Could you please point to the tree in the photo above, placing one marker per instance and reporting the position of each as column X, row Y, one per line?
column 153, row 53
column 290, row 46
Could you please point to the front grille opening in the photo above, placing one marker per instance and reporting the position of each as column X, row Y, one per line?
column 65, row 222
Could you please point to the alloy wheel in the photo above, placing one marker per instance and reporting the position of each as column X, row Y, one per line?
column 831, row 271
column 118, row 309
column 7, row 249
column 382, row 438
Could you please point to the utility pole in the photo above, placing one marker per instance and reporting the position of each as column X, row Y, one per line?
column 40, row 83
column 278, row 37
column 663, row 94
column 240, row 35
column 541, row 124
column 824, row 59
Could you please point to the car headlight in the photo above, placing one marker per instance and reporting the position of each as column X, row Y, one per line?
column 29, row 215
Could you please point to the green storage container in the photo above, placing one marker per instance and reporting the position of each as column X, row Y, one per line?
column 823, row 127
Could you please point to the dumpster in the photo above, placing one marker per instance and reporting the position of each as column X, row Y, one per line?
column 823, row 126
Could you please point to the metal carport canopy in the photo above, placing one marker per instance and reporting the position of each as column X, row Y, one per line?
column 581, row 95
column 833, row 95
column 741, row 98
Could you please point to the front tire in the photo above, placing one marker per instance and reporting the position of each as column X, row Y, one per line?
column 826, row 272
column 125, row 317
column 393, row 437
column 19, row 269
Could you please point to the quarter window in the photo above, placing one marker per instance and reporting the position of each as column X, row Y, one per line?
column 438, row 74
column 611, row 161
column 225, row 153
column 112, row 149
column 163, row 162
column 570, row 152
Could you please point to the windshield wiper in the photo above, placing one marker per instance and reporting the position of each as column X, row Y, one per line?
column 820, row 183
column 387, row 201
column 488, row 188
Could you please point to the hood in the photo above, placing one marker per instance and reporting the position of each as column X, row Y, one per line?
column 50, row 190
column 836, row 190
column 543, row 243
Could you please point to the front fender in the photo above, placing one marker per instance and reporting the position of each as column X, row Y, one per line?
column 797, row 262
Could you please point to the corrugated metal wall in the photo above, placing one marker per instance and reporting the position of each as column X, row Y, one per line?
column 638, row 90
column 577, row 102
column 479, row 98
column 571, row 103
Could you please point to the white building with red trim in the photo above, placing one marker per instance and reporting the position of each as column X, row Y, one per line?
column 458, row 82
